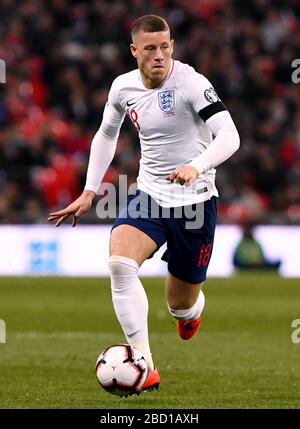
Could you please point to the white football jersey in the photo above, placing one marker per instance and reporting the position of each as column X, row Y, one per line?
column 170, row 121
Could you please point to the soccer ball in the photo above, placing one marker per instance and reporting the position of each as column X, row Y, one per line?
column 121, row 370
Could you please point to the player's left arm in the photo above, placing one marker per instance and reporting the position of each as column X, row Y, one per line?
column 214, row 113
column 222, row 147
column 225, row 143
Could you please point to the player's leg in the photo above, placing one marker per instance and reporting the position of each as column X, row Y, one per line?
column 185, row 302
column 188, row 256
column 130, row 241
column 134, row 238
column 181, row 295
column 129, row 247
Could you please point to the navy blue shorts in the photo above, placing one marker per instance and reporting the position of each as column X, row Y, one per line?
column 188, row 230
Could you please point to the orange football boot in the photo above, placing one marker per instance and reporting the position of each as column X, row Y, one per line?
column 152, row 380
column 188, row 328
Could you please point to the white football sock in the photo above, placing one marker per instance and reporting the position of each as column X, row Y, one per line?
column 144, row 348
column 130, row 303
column 190, row 313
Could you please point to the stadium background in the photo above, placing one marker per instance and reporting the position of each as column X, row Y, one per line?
column 61, row 57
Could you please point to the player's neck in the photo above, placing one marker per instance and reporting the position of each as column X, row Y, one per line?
column 152, row 84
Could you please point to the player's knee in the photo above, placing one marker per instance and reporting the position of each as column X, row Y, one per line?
column 122, row 266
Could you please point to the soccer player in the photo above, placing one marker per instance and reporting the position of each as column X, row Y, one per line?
column 185, row 131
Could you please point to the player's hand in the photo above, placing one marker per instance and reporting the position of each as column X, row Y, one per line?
column 184, row 175
column 78, row 207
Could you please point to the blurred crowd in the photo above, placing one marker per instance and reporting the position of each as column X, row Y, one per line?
column 61, row 57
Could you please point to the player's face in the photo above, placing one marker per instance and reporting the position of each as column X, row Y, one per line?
column 153, row 52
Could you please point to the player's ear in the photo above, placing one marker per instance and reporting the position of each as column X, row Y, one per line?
column 133, row 49
column 172, row 45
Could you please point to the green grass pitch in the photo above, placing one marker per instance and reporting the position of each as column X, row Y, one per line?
column 243, row 356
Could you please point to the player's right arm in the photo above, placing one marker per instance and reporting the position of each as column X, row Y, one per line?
column 103, row 148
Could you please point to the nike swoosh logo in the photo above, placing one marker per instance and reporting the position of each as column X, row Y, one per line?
column 130, row 104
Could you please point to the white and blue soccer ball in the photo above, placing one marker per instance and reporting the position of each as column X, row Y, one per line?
column 121, row 370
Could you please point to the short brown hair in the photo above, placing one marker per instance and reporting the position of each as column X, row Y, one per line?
column 149, row 24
